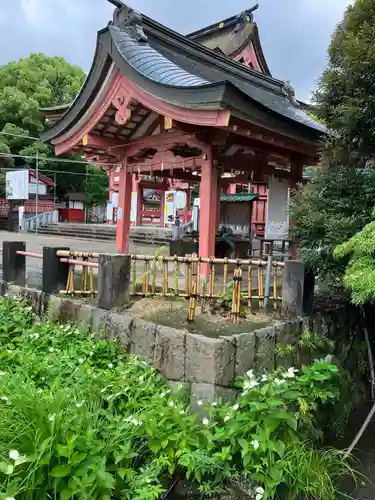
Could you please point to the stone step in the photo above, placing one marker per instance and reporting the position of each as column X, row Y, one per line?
column 137, row 238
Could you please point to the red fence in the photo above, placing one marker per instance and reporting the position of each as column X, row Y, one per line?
column 30, row 206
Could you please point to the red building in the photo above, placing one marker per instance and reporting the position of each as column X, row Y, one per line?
column 162, row 104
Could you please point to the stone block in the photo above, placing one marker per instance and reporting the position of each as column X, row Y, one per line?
column 35, row 298
column 207, row 394
column 245, row 353
column 84, row 317
column 287, row 334
column 54, row 307
column 3, row 287
column 114, row 281
column 119, row 327
column 143, row 339
column 209, row 360
column 99, row 321
column 178, row 386
column 265, row 349
column 15, row 291
column 69, row 311
column 169, row 356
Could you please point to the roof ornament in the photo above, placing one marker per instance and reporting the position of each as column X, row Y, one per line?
column 245, row 17
column 290, row 94
column 126, row 17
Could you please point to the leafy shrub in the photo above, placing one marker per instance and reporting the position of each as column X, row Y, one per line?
column 78, row 419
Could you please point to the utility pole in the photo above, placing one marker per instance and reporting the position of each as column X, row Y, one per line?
column 37, row 192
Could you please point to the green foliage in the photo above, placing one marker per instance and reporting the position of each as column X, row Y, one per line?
column 359, row 275
column 327, row 212
column 26, row 86
column 78, row 419
column 339, row 202
column 345, row 99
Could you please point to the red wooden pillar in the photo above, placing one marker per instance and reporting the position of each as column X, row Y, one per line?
column 123, row 211
column 218, row 205
column 208, row 211
column 188, row 204
column 232, row 188
column 162, row 208
column 139, row 193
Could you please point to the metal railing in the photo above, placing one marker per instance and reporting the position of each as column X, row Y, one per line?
column 30, row 224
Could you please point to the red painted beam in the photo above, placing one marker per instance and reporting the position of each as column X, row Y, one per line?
column 97, row 142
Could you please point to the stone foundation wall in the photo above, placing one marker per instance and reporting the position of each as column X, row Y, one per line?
column 208, row 367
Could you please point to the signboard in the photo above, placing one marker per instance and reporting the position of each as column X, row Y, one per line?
column 277, row 220
column 115, row 198
column 17, row 185
column 110, row 211
column 170, row 207
column 133, row 207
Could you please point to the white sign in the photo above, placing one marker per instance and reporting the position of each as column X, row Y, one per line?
column 110, row 211
column 277, row 220
column 115, row 200
column 133, row 208
column 17, row 185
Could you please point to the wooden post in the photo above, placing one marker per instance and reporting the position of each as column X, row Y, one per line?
column 55, row 273
column 208, row 211
column 123, row 212
column 14, row 265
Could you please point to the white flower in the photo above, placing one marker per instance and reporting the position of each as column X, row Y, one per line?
column 214, row 403
column 259, row 490
column 163, row 394
column 199, row 403
column 205, row 421
column 182, row 412
column 51, row 349
column 4, row 398
column 255, row 444
column 10, row 498
column 51, row 417
column 235, row 407
column 250, row 374
column 171, row 404
column 14, row 455
column 18, row 459
column 81, row 361
column 258, row 496
column 91, row 353
column 290, row 373
column 110, row 366
column 79, row 405
column 264, row 378
column 226, row 418
column 250, row 384
column 279, row 381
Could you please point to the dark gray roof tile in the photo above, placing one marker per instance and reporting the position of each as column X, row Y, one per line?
column 151, row 63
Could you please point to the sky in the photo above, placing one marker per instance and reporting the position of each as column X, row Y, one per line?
column 295, row 34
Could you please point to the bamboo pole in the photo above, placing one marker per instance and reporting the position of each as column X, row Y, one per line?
column 249, row 289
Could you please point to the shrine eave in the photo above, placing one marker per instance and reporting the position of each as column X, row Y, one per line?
column 174, row 71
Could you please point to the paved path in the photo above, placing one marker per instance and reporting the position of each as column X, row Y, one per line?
column 35, row 243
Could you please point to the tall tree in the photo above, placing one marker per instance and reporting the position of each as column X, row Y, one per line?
column 25, row 87
column 339, row 202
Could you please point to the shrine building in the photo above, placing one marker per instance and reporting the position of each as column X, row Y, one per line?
column 198, row 108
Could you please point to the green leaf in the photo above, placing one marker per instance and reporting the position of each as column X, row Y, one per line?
column 62, row 470
column 62, row 450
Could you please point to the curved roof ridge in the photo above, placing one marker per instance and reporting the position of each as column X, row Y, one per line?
column 151, row 63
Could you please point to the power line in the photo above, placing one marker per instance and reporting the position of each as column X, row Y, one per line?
column 59, row 160
column 21, row 136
